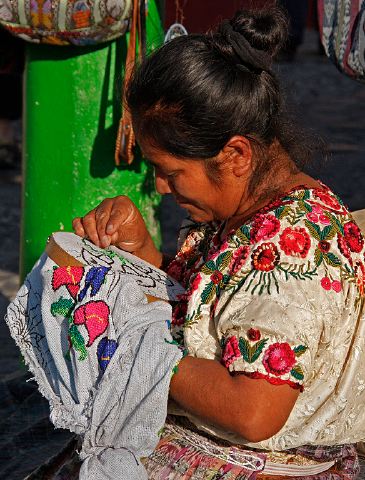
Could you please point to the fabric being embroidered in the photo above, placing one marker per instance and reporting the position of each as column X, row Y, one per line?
column 103, row 359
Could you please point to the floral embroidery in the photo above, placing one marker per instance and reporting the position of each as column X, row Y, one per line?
column 94, row 280
column 353, row 237
column 264, row 227
column 279, row 358
column 95, row 317
column 253, row 334
column 239, row 258
column 326, row 283
column 312, row 237
column 295, row 242
column 231, row 351
column 105, row 351
column 265, row 359
column 265, row 257
column 69, row 277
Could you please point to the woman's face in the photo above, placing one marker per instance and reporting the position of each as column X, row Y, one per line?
column 193, row 190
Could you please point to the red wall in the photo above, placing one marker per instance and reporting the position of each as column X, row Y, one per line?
column 200, row 15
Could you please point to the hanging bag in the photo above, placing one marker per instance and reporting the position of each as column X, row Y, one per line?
column 66, row 22
column 341, row 26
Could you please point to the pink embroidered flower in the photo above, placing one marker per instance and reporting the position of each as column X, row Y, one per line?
column 216, row 277
column 239, row 258
column 326, row 283
column 231, row 351
column 264, row 227
column 295, row 242
column 253, row 334
column 329, row 199
column 360, row 277
column 324, row 246
column 336, row 286
column 279, row 359
column 95, row 316
column 317, row 215
column 353, row 237
column 265, row 257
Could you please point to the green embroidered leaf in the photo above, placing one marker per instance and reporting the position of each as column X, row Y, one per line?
column 256, row 349
column 307, row 206
column 297, row 372
column 335, row 223
column 208, row 293
column 77, row 341
column 318, row 257
column 244, row 348
column 314, row 230
column 224, row 260
column 243, row 234
column 299, row 350
column 328, row 232
column 209, row 267
column 332, row 259
column 63, row 307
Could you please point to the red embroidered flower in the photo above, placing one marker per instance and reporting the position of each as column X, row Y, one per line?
column 265, row 257
column 353, row 237
column 254, row 334
column 324, row 246
column 326, row 283
column 343, row 247
column 360, row 277
column 238, row 259
column 279, row 358
column 231, row 351
column 179, row 313
column 329, row 199
column 295, row 242
column 264, row 227
column 216, row 277
column 70, row 277
column 336, row 286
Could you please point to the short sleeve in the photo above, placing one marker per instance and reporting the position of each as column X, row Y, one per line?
column 271, row 338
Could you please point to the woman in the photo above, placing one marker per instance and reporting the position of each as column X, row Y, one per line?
column 272, row 262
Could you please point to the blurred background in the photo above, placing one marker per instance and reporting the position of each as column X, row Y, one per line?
column 327, row 103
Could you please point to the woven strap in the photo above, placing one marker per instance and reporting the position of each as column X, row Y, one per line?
column 126, row 138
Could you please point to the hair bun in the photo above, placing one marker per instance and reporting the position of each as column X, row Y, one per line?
column 265, row 29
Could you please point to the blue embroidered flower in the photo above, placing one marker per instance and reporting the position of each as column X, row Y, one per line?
column 94, row 279
column 105, row 351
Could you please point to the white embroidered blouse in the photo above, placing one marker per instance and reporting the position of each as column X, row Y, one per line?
column 282, row 298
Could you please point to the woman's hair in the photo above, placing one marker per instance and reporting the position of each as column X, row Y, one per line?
column 197, row 91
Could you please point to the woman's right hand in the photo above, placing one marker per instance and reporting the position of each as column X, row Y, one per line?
column 117, row 221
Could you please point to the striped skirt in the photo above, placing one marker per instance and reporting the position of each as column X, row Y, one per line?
column 183, row 454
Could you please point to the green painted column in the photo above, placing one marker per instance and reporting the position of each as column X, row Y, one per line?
column 72, row 109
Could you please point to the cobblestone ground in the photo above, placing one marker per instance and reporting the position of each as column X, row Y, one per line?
column 329, row 103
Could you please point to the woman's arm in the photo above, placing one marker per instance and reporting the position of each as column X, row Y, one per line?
column 252, row 408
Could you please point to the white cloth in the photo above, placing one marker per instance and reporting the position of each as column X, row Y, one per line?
column 110, row 382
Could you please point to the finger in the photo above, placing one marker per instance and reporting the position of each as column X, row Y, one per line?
column 89, row 225
column 102, row 215
column 77, row 227
column 122, row 213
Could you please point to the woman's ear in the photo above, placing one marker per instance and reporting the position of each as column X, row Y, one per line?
column 238, row 150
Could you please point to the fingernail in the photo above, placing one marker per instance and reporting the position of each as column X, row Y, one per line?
column 110, row 228
column 105, row 241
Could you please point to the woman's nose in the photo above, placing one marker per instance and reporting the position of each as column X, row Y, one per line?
column 162, row 184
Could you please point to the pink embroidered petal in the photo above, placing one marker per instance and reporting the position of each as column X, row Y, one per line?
column 95, row 317
column 66, row 276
